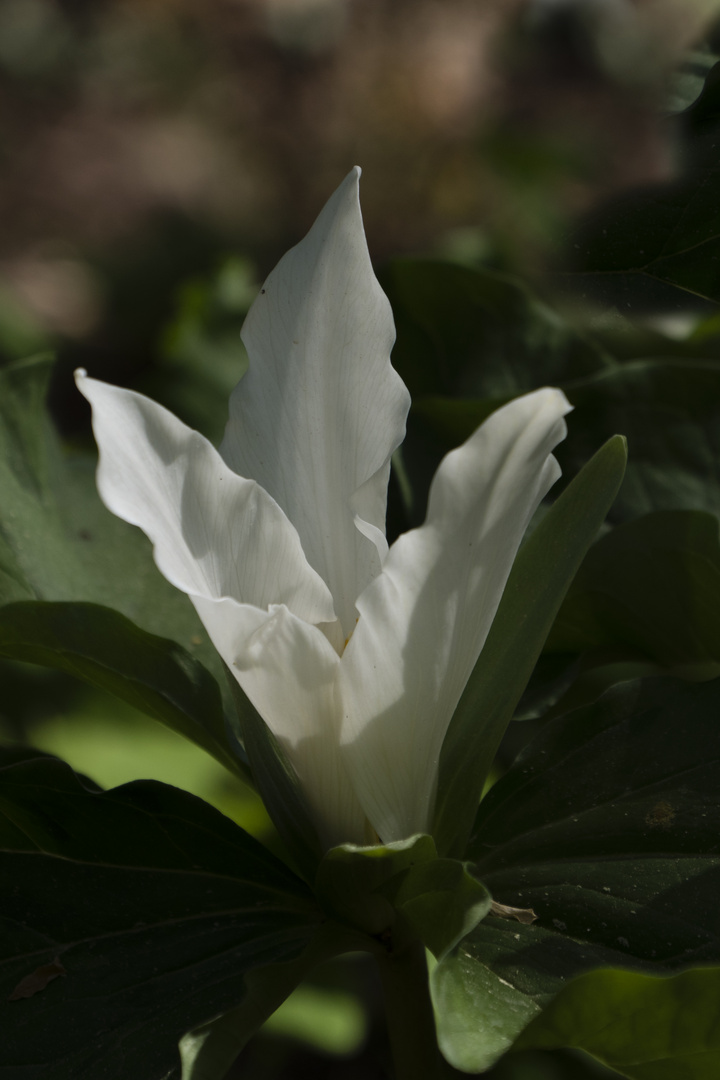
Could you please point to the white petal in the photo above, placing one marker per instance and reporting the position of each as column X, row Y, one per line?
column 320, row 410
column 289, row 671
column 214, row 533
column 424, row 620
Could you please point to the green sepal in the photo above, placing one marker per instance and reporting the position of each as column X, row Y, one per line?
column 350, row 880
column 441, row 900
column 540, row 577
column 402, row 890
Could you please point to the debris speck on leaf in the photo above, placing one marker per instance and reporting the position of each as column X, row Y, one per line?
column 38, row 980
column 504, row 911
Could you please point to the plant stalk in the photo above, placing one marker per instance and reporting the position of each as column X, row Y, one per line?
column 409, row 1012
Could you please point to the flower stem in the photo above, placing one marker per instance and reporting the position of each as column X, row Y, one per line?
column 409, row 1012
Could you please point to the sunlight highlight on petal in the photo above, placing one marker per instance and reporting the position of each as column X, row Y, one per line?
column 320, row 410
column 424, row 620
column 214, row 533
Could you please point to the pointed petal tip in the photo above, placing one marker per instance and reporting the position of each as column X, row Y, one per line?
column 349, row 189
column 553, row 395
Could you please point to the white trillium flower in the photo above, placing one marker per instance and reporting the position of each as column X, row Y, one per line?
column 354, row 655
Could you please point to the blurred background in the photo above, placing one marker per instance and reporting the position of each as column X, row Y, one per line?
column 158, row 156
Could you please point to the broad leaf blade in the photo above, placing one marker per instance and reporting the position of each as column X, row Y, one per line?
column 649, row 588
column 543, row 571
column 106, row 650
column 474, row 331
column 607, row 827
column 648, row 247
column 208, row 1051
column 157, row 906
column 645, row 1027
column 668, row 410
column 645, row 601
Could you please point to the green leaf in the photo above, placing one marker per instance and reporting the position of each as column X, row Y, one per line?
column 541, row 575
column 472, row 332
column 650, row 589
column 57, row 540
column 208, row 1051
column 667, row 409
column 648, row 247
column 645, row 601
column 607, row 828
column 647, row 1028
column 106, row 650
column 158, row 909
column 477, row 332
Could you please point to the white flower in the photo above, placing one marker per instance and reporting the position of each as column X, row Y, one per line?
column 355, row 656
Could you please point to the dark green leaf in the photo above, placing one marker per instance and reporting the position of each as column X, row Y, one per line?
column 648, row 248
column 209, row 1051
column 470, row 332
column 13, row 755
column 669, row 411
column 647, row 1028
column 645, row 601
column 474, row 332
column 648, row 590
column 541, row 575
column 157, row 906
column 608, row 827
column 107, row 650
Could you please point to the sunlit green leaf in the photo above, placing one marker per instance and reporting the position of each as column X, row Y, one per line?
column 647, row 1028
